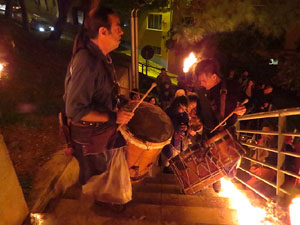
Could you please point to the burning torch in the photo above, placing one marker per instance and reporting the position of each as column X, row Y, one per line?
column 2, row 65
column 188, row 63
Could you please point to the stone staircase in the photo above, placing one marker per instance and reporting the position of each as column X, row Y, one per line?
column 157, row 200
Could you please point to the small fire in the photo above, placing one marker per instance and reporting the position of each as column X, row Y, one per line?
column 294, row 211
column 1, row 67
column 189, row 61
column 2, row 70
column 247, row 213
column 36, row 219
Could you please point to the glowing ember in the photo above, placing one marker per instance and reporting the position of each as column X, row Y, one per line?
column 188, row 62
column 247, row 214
column 294, row 211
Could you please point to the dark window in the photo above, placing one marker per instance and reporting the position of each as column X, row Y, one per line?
column 157, row 50
column 188, row 21
column 154, row 21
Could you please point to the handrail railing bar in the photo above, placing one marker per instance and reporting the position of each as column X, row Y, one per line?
column 291, row 134
column 258, row 177
column 258, row 132
column 251, row 188
column 260, row 147
column 265, row 181
column 261, row 163
column 290, row 173
column 256, row 116
column 297, row 155
column 156, row 68
column 283, row 112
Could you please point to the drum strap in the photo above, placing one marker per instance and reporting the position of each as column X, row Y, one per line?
column 223, row 93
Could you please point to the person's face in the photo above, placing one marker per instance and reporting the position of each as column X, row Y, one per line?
column 207, row 81
column 136, row 97
column 191, row 106
column 152, row 101
column 181, row 109
column 115, row 32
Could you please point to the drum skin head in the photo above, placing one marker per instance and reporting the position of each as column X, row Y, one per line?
column 149, row 123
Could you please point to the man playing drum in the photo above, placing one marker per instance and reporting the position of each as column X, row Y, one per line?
column 217, row 100
column 90, row 102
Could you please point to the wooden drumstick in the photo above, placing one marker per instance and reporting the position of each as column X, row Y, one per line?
column 141, row 100
column 135, row 92
column 223, row 121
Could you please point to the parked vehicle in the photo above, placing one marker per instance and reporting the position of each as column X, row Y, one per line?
column 16, row 8
column 41, row 25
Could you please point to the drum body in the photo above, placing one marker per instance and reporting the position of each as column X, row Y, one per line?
column 200, row 168
column 146, row 134
column 225, row 151
column 195, row 170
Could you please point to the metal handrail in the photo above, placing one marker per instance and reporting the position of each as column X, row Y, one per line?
column 282, row 112
column 253, row 189
column 258, row 132
column 260, row 147
column 264, row 180
column 261, row 163
column 281, row 133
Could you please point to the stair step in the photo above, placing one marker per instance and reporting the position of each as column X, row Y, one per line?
column 162, row 178
column 148, row 212
column 200, row 200
column 80, row 219
column 176, row 189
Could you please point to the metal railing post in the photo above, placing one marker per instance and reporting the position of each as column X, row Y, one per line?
column 280, row 156
column 238, row 127
column 133, row 52
column 136, row 40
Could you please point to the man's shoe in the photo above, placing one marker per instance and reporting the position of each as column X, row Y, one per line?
column 217, row 186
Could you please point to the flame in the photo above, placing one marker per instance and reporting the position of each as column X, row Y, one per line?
column 1, row 67
column 189, row 61
column 246, row 212
column 36, row 219
column 294, row 211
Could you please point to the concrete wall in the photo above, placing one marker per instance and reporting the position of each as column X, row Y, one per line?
column 13, row 208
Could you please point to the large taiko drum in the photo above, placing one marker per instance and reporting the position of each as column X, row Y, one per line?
column 146, row 134
column 225, row 150
column 195, row 170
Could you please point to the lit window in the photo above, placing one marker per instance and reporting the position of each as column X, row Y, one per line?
column 154, row 21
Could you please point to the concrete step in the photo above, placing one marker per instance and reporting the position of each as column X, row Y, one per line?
column 79, row 219
column 162, row 178
column 176, row 189
column 158, row 214
column 200, row 200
